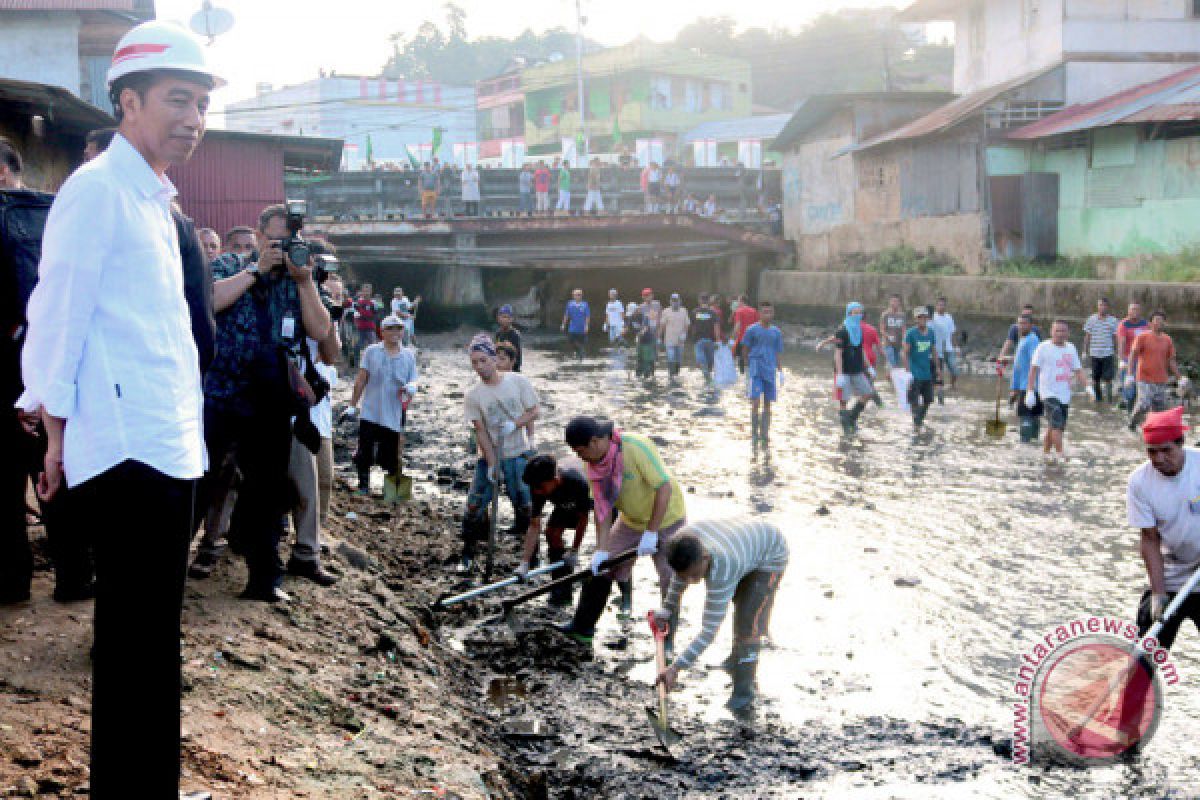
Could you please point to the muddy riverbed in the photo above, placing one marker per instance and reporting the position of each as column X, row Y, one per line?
column 922, row 566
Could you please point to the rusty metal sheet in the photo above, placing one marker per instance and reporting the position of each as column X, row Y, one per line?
column 1170, row 99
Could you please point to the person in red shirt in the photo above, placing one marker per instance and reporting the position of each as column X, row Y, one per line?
column 541, row 187
column 1154, row 355
column 745, row 316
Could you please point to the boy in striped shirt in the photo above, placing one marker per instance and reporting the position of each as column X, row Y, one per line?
column 740, row 560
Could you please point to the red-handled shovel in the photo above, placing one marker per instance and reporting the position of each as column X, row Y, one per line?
column 667, row 736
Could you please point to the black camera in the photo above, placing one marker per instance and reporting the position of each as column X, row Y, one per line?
column 323, row 267
column 294, row 246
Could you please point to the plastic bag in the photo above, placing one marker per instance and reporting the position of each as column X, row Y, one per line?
column 724, row 372
column 901, row 380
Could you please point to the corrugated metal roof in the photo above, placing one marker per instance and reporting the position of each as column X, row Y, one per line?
column 67, row 5
column 54, row 103
column 1173, row 98
column 950, row 115
column 729, row 130
column 817, row 108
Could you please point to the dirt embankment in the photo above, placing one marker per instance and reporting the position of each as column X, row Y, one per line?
column 347, row 692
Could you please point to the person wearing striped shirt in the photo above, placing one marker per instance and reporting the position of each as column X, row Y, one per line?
column 1100, row 345
column 742, row 561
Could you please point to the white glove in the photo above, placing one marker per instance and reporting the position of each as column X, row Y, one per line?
column 1030, row 399
column 350, row 412
column 1184, row 384
column 1158, row 604
column 1091, row 390
column 523, row 571
column 648, row 546
column 598, row 558
column 1130, row 381
column 571, row 560
column 508, row 427
column 1124, row 365
column 871, row 372
column 841, row 381
column 661, row 618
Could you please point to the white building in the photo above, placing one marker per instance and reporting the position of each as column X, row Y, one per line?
column 382, row 121
column 66, row 43
column 1103, row 45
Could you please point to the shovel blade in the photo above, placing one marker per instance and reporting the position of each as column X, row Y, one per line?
column 996, row 428
column 668, row 737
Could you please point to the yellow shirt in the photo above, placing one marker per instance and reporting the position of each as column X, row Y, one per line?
column 644, row 473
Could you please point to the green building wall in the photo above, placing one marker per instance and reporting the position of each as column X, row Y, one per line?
column 1119, row 195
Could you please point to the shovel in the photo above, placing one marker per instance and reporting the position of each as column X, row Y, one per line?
column 667, row 736
column 495, row 512
column 511, row 603
column 996, row 428
column 445, row 601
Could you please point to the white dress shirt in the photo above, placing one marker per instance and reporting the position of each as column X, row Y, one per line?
column 110, row 345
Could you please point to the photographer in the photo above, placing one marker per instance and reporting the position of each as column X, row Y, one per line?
column 264, row 310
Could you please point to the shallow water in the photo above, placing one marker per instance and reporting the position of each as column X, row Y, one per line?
column 1001, row 547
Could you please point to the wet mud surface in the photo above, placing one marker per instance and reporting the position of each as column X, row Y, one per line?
column 922, row 565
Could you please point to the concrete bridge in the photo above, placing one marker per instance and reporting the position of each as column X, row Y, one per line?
column 468, row 265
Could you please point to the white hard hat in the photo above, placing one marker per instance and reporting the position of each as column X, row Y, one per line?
column 157, row 45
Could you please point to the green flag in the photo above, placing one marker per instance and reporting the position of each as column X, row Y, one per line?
column 616, row 130
column 370, row 151
column 437, row 140
column 412, row 160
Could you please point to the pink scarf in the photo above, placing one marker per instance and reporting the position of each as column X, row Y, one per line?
column 605, row 477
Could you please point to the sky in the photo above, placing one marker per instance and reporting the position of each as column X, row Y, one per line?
column 283, row 43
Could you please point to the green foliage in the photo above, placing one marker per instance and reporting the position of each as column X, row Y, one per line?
column 1065, row 268
column 444, row 54
column 851, row 51
column 1183, row 267
column 904, row 260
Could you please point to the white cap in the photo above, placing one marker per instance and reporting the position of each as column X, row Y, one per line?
column 392, row 321
column 156, row 45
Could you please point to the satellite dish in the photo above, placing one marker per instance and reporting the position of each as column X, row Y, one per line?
column 211, row 21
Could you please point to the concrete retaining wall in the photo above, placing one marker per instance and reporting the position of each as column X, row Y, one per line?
column 989, row 297
column 959, row 236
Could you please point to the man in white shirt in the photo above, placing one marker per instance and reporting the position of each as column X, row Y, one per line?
column 111, row 362
column 614, row 317
column 943, row 331
column 1163, row 501
column 1053, row 366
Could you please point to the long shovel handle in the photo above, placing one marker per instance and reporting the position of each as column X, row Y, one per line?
column 1136, row 654
column 495, row 509
column 574, row 577
column 660, row 663
column 445, row 602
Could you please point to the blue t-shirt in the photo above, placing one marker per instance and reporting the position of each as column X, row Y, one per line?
column 921, row 348
column 577, row 315
column 763, row 346
column 1022, row 361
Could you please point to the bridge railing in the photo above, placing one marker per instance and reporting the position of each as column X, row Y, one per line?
column 347, row 196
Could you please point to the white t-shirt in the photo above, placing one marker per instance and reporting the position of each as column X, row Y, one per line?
column 943, row 332
column 495, row 405
column 616, row 314
column 322, row 413
column 1055, row 366
column 1172, row 505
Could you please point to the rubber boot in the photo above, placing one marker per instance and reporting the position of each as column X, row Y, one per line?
column 1028, row 429
column 853, row 414
column 754, row 425
column 592, row 600
column 474, row 528
column 844, row 418
column 1037, row 427
column 560, row 597
column 625, row 605
column 520, row 522
column 744, row 672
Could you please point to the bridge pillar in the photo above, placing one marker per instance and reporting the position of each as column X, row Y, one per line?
column 457, row 288
column 733, row 277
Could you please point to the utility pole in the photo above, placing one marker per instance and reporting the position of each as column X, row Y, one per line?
column 587, row 149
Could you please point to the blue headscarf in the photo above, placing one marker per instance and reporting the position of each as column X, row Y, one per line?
column 854, row 323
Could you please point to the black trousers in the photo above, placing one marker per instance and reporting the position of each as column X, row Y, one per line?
column 16, row 559
column 262, row 447
column 376, row 445
column 141, row 562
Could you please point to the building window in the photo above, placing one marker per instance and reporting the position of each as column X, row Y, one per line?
column 660, row 94
column 1195, row 8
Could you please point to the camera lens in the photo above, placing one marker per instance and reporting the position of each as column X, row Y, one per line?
column 299, row 254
